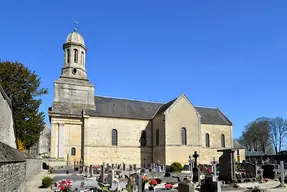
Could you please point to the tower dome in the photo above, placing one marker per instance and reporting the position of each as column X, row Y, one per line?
column 75, row 37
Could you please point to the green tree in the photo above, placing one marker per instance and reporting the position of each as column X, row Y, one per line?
column 23, row 87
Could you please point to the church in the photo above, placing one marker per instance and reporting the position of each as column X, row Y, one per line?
column 97, row 129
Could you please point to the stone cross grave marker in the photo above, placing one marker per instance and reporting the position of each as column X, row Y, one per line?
column 213, row 164
column 190, row 162
column 282, row 172
column 195, row 169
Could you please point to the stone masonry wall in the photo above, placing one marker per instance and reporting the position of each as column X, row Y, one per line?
column 33, row 164
column 6, row 120
column 12, row 177
column 12, row 169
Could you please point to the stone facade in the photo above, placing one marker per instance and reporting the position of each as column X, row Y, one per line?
column 6, row 120
column 45, row 142
column 103, row 129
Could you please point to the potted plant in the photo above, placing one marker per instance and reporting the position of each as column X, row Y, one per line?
column 152, row 184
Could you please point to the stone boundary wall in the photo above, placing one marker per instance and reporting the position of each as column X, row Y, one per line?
column 7, row 134
column 12, row 169
column 33, row 164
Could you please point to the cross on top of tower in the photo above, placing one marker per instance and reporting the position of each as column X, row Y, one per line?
column 76, row 23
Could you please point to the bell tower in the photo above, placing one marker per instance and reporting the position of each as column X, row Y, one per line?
column 73, row 87
column 75, row 56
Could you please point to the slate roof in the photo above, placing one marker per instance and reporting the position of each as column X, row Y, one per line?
column 212, row 116
column 123, row 108
column 132, row 109
column 237, row 145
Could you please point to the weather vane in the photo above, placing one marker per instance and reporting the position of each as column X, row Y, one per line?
column 76, row 23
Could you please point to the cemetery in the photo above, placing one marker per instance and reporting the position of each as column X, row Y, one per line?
column 222, row 175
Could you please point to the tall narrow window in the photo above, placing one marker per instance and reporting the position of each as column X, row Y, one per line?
column 143, row 138
column 75, row 56
column 73, row 151
column 82, row 57
column 114, row 137
column 183, row 136
column 207, row 142
column 157, row 137
column 68, row 55
column 222, row 140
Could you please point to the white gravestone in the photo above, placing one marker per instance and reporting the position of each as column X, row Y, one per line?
column 214, row 163
column 111, row 176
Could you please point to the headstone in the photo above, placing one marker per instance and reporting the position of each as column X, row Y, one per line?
column 227, row 165
column 185, row 187
column 190, row 162
column 282, row 172
column 111, row 176
column 268, row 171
column 112, row 166
column 167, row 168
column 124, row 166
column 213, row 164
column 195, row 169
column 102, row 174
column 87, row 171
column 91, row 170
column 135, row 167
column 186, row 168
column 130, row 168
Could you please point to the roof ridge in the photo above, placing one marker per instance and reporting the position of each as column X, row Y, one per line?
column 129, row 99
column 207, row 107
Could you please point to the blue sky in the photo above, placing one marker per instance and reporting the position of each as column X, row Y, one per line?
column 230, row 54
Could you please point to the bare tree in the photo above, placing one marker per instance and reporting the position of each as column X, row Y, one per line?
column 278, row 132
column 256, row 135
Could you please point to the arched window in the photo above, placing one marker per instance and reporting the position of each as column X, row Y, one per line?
column 82, row 57
column 73, row 151
column 143, row 138
column 222, row 140
column 157, row 137
column 183, row 136
column 68, row 55
column 75, row 56
column 207, row 142
column 114, row 137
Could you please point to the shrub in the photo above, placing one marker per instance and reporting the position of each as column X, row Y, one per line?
column 47, row 182
column 176, row 167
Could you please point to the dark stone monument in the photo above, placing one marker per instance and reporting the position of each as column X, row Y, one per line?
column 195, row 169
column 124, row 166
column 227, row 165
column 268, row 171
column 102, row 174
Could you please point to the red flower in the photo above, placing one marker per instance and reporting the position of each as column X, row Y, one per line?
column 153, row 182
column 168, row 186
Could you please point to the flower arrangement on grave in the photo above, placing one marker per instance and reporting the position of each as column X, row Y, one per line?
column 64, row 185
column 168, row 186
column 144, row 179
column 152, row 184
